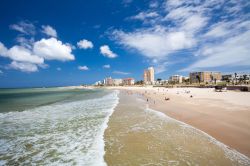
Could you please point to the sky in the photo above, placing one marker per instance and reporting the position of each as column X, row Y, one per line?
column 60, row 43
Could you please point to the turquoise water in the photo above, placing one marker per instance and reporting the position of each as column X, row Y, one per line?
column 54, row 126
column 22, row 99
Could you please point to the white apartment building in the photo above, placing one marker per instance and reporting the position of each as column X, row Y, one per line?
column 149, row 76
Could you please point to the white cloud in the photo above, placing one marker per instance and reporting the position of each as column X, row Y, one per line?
column 83, row 68
column 174, row 3
column 21, row 54
column 25, row 42
column 48, row 30
column 70, row 45
column 28, row 59
column 218, row 30
column 155, row 43
column 145, row 15
column 153, row 4
column 204, row 29
column 105, row 51
column 23, row 66
column 3, row 50
column 53, row 49
column 158, row 42
column 24, row 27
column 227, row 28
column 194, row 23
column 179, row 13
column 85, row 44
column 106, row 66
column 121, row 72
column 233, row 51
column 23, row 59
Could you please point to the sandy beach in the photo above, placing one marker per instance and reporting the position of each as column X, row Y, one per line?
column 223, row 115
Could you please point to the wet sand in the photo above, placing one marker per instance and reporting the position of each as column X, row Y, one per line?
column 223, row 115
column 137, row 135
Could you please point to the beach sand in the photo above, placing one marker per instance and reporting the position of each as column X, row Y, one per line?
column 138, row 135
column 223, row 115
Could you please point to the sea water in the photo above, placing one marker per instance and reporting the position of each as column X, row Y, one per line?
column 54, row 126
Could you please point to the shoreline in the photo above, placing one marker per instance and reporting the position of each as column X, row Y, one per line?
column 139, row 135
column 228, row 150
column 221, row 119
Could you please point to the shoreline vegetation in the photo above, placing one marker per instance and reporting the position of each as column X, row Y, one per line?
column 223, row 115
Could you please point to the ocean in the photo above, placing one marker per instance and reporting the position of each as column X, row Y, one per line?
column 54, row 126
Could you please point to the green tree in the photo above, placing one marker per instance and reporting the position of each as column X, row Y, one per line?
column 198, row 78
column 211, row 77
column 235, row 76
column 245, row 78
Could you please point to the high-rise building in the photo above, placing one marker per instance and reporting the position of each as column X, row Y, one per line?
column 176, row 79
column 117, row 82
column 149, row 76
column 108, row 81
column 205, row 77
column 128, row 81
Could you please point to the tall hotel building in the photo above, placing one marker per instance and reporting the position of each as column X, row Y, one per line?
column 205, row 76
column 149, row 76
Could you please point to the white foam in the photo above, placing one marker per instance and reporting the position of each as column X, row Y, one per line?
column 99, row 142
column 73, row 131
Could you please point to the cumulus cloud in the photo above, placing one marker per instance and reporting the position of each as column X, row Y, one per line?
column 53, row 49
column 105, row 51
column 106, row 66
column 23, row 66
column 85, row 44
column 20, row 54
column 121, row 72
column 48, row 30
column 29, row 55
column 22, row 59
column 28, row 59
column 24, row 27
column 83, row 68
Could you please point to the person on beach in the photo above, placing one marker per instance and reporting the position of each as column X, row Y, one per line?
column 147, row 99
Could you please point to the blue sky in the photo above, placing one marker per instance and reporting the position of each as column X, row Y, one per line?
column 56, row 43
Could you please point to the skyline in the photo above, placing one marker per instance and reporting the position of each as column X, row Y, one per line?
column 46, row 44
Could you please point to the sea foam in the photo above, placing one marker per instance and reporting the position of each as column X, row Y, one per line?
column 68, row 133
